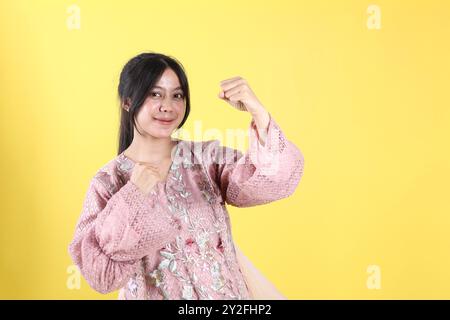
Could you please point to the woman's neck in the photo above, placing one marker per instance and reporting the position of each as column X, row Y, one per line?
column 149, row 149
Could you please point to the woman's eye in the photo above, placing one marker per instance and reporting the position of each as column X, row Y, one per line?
column 178, row 95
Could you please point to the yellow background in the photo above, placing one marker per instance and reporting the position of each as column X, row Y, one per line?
column 369, row 109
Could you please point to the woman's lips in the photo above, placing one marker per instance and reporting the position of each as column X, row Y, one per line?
column 162, row 121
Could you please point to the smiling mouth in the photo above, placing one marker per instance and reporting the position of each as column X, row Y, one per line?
column 163, row 121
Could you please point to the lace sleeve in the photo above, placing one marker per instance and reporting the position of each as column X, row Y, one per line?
column 263, row 174
column 114, row 232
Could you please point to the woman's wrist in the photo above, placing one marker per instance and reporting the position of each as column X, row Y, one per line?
column 262, row 119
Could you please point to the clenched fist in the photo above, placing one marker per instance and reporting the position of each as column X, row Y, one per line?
column 145, row 176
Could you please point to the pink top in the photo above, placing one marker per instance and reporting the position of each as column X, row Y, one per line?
column 175, row 242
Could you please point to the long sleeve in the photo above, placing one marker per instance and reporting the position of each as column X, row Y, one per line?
column 263, row 174
column 115, row 231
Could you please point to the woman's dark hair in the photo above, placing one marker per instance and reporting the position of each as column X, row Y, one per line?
column 138, row 76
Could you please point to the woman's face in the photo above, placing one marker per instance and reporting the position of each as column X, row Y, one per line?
column 164, row 108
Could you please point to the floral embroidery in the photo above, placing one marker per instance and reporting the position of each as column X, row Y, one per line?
column 187, row 292
column 132, row 286
column 187, row 254
column 218, row 279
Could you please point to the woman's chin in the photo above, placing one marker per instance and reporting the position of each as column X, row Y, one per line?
column 162, row 133
column 161, row 130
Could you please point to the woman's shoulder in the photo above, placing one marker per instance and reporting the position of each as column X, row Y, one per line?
column 114, row 174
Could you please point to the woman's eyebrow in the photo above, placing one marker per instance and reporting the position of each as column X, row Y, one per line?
column 164, row 89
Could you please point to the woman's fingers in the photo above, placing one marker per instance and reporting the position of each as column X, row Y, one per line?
column 147, row 164
column 229, row 80
column 230, row 92
column 228, row 84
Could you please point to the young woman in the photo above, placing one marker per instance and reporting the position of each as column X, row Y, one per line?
column 154, row 222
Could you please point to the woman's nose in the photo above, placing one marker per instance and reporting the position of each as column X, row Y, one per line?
column 164, row 108
column 166, row 105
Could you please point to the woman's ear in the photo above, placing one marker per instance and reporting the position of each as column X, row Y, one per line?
column 126, row 104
